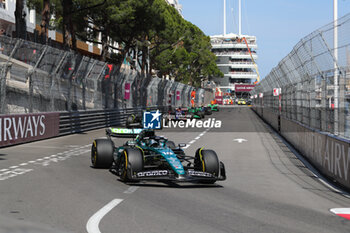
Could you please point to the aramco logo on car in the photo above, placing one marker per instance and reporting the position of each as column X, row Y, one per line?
column 154, row 120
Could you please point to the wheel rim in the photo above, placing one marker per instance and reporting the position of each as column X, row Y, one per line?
column 94, row 154
column 124, row 166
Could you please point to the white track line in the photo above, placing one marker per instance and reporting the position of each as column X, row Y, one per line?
column 94, row 221
column 196, row 138
column 44, row 161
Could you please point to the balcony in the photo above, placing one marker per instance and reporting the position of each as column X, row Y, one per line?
column 242, row 65
column 241, row 75
column 234, row 45
column 236, row 55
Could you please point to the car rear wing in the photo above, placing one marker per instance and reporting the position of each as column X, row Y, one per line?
column 123, row 132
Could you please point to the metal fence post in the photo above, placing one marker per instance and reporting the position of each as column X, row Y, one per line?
column 29, row 78
column 4, row 71
column 52, row 80
column 341, row 99
column 323, row 105
column 336, row 86
column 84, row 84
column 30, row 89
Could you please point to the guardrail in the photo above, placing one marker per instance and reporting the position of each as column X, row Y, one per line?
column 80, row 121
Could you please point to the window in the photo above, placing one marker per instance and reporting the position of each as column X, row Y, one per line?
column 3, row 4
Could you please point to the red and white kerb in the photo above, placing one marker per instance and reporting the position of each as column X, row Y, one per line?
column 342, row 212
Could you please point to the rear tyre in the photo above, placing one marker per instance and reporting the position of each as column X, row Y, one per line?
column 207, row 161
column 131, row 163
column 171, row 144
column 102, row 153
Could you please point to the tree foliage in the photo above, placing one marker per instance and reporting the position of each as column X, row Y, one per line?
column 150, row 34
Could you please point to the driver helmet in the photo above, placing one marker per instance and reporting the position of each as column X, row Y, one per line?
column 153, row 143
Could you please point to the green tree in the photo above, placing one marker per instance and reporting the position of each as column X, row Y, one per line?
column 142, row 28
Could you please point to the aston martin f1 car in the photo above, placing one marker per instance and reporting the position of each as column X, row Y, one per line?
column 151, row 157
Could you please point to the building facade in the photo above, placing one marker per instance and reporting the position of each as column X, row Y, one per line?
column 236, row 55
column 176, row 5
column 7, row 17
column 8, row 22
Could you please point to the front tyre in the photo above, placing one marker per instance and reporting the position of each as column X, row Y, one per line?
column 131, row 162
column 102, row 153
column 207, row 161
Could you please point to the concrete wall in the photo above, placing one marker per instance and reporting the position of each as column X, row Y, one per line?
column 329, row 154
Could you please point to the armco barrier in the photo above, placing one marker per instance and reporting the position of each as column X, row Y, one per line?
column 329, row 154
column 21, row 128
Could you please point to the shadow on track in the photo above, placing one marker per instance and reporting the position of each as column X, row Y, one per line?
column 2, row 155
column 169, row 184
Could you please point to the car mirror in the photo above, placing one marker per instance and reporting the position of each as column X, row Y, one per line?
column 182, row 144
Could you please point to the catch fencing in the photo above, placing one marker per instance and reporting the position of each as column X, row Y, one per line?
column 312, row 83
column 40, row 78
column 306, row 99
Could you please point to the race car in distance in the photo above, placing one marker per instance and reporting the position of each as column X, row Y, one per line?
column 151, row 157
column 133, row 120
column 214, row 107
column 207, row 110
column 196, row 112
column 241, row 102
column 178, row 114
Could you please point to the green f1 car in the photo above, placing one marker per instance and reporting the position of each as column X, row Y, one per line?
column 214, row 107
column 197, row 113
column 151, row 157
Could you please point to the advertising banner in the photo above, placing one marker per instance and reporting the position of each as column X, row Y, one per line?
column 127, row 91
column 177, row 95
column 244, row 87
column 19, row 128
column 218, row 98
column 276, row 91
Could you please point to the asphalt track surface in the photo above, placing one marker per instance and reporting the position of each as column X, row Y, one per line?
column 49, row 186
